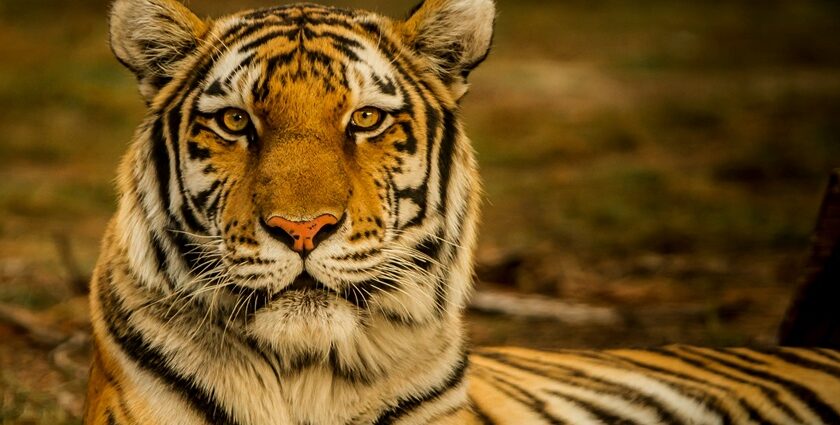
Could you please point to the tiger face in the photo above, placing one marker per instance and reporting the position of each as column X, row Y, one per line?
column 311, row 182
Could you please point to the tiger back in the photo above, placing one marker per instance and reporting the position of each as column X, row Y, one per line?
column 669, row 385
column 294, row 244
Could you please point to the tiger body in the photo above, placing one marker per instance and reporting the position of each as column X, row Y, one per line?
column 294, row 241
column 669, row 385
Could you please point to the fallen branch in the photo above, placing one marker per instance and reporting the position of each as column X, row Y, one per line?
column 29, row 322
column 61, row 355
column 535, row 306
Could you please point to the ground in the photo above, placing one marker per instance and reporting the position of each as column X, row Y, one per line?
column 663, row 159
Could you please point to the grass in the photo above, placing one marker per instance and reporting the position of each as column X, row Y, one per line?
column 30, row 407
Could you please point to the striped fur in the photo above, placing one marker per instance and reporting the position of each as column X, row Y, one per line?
column 670, row 385
column 203, row 315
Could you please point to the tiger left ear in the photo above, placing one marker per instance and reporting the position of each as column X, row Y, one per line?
column 454, row 36
column 151, row 37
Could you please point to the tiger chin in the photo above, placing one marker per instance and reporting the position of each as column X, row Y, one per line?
column 294, row 238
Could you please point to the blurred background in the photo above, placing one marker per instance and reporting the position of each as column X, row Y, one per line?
column 653, row 172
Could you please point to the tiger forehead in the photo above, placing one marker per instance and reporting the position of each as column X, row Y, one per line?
column 310, row 11
column 305, row 54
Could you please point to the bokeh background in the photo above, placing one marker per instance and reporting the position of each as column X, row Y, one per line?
column 660, row 161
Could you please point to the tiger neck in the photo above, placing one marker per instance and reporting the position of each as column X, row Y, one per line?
column 179, row 360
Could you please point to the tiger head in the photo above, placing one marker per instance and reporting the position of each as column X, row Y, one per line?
column 303, row 166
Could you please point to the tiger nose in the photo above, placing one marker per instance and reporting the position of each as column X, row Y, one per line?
column 303, row 233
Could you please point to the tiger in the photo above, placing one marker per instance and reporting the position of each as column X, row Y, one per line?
column 294, row 242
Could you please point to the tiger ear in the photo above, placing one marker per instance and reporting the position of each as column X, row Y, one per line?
column 150, row 37
column 454, row 36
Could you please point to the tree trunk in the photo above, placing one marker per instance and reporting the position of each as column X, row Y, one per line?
column 813, row 318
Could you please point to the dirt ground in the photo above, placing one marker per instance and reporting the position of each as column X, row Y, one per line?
column 663, row 160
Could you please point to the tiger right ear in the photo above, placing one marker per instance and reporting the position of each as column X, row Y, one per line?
column 454, row 37
column 150, row 37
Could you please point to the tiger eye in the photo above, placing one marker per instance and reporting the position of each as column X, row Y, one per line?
column 235, row 120
column 366, row 118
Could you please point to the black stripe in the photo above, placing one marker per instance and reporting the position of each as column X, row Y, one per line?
column 173, row 123
column 359, row 256
column 827, row 352
column 432, row 124
column 212, row 209
column 240, row 68
column 172, row 232
column 431, row 248
column 123, row 405
column 360, row 293
column 421, row 89
column 298, row 14
column 603, row 415
column 406, row 405
column 419, row 195
column 480, row 414
column 189, row 252
column 289, row 33
column 796, row 390
column 275, row 63
column 385, row 84
column 359, row 373
column 110, row 414
column 197, row 152
column 445, row 152
column 620, row 390
column 155, row 239
column 796, row 359
column 753, row 414
column 447, row 147
column 246, row 29
column 161, row 257
column 111, row 382
column 522, row 396
column 340, row 39
column 347, row 51
column 160, row 157
column 409, row 145
column 152, row 360
column 202, row 197
column 215, row 89
column 375, row 31
column 741, row 356
column 401, row 319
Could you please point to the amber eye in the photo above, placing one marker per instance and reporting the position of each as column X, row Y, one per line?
column 234, row 120
column 366, row 118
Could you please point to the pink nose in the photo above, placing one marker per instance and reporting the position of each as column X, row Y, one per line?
column 302, row 232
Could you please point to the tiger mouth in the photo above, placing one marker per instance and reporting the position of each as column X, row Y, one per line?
column 304, row 283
